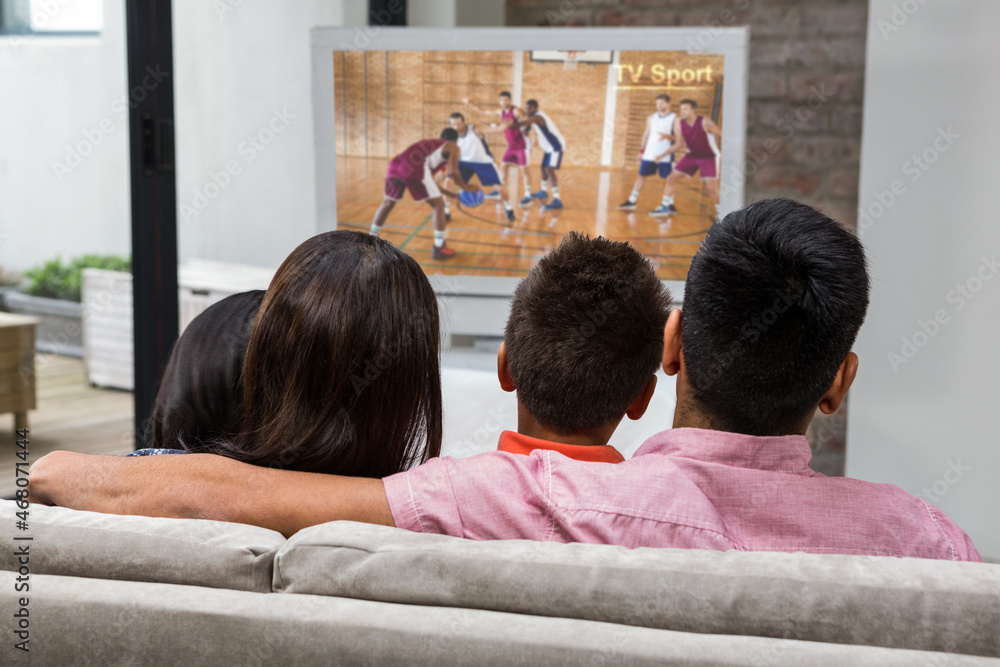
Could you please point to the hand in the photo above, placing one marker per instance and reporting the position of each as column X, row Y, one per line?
column 471, row 187
column 664, row 136
column 65, row 478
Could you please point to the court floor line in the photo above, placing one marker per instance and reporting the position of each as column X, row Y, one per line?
column 410, row 237
column 534, row 232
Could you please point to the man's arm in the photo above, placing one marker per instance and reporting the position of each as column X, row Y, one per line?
column 206, row 486
column 530, row 120
column 678, row 144
column 645, row 137
column 454, row 173
column 478, row 109
column 712, row 127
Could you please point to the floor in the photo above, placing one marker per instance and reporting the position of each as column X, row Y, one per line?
column 488, row 245
column 71, row 415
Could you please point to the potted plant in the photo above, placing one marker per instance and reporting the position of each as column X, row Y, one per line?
column 52, row 292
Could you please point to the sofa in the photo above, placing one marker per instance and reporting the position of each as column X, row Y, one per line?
column 123, row 590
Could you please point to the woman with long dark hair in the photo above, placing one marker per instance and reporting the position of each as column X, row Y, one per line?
column 341, row 373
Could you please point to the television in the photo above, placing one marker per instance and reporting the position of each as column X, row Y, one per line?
column 380, row 91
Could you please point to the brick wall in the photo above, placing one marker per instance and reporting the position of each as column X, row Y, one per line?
column 804, row 118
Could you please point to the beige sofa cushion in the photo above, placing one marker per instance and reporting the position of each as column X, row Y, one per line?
column 178, row 551
column 92, row 622
column 897, row 603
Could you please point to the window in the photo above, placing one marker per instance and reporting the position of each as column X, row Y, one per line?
column 51, row 17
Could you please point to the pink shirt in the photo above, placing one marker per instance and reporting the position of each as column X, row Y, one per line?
column 688, row 488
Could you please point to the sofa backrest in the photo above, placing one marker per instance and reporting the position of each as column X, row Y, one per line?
column 891, row 602
column 175, row 551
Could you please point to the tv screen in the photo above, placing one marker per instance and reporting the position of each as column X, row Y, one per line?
column 631, row 143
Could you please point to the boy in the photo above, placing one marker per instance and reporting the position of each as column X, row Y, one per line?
column 696, row 135
column 413, row 170
column 552, row 142
column 656, row 139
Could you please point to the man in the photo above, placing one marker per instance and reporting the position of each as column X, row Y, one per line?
column 551, row 141
column 773, row 303
column 477, row 161
column 518, row 144
column 657, row 138
column 413, row 170
column 696, row 134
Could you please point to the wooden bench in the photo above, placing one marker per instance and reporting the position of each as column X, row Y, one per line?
column 17, row 366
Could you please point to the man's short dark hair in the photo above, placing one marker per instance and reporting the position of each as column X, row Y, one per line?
column 449, row 133
column 504, row 93
column 772, row 305
column 585, row 333
column 690, row 103
column 532, row 102
column 457, row 114
column 666, row 98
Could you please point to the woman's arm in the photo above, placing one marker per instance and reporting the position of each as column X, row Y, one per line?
column 206, row 486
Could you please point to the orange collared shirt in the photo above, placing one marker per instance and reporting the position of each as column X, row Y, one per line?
column 515, row 443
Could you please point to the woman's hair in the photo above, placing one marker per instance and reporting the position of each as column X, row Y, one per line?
column 200, row 395
column 341, row 373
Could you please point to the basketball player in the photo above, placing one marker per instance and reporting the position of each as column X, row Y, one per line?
column 518, row 145
column 658, row 137
column 413, row 170
column 696, row 134
column 477, row 161
column 552, row 142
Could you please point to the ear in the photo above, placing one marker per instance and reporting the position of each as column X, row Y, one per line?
column 672, row 342
column 838, row 390
column 503, row 370
column 641, row 402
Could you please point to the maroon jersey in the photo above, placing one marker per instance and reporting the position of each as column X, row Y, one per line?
column 410, row 163
column 699, row 144
column 514, row 137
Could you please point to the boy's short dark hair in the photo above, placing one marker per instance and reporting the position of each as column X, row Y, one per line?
column 457, row 114
column 772, row 305
column 690, row 103
column 585, row 333
column 449, row 134
column 505, row 93
column 664, row 97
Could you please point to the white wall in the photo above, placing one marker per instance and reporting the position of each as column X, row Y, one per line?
column 239, row 72
column 925, row 419
column 235, row 63
column 63, row 97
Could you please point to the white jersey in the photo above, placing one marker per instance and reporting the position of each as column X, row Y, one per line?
column 473, row 147
column 549, row 137
column 654, row 145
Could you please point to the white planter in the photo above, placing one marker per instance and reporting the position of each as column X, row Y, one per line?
column 107, row 312
column 107, row 328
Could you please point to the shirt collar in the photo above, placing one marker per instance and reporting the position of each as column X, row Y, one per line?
column 786, row 453
column 515, row 443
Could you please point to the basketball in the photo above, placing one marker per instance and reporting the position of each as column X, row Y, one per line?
column 471, row 199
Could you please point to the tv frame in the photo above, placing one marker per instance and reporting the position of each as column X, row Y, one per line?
column 733, row 43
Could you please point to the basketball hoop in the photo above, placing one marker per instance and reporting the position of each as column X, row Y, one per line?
column 571, row 59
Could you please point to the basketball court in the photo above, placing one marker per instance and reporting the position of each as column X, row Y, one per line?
column 388, row 100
